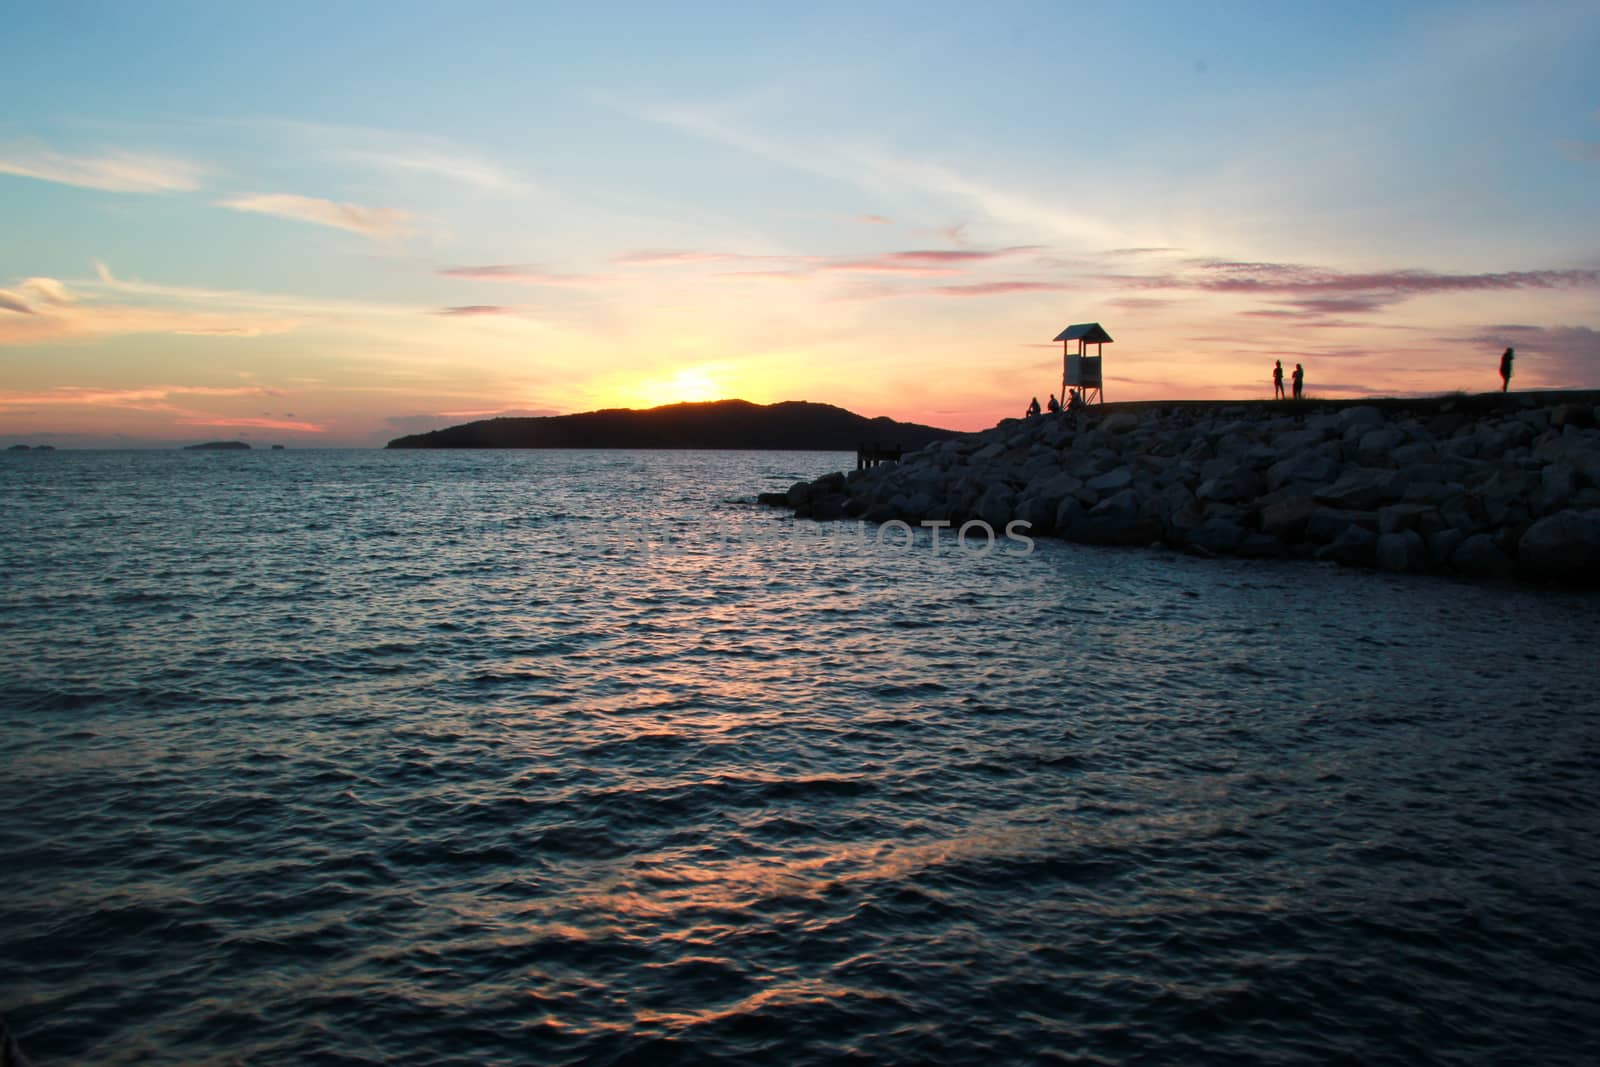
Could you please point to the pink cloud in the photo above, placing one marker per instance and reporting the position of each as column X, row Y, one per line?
column 767, row 275
column 470, row 310
column 236, row 422
column 506, row 272
column 670, row 255
column 993, row 288
column 876, row 220
column 1320, row 291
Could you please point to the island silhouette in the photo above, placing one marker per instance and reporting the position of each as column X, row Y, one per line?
column 794, row 425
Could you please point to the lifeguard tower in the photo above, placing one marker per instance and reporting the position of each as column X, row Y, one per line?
column 1079, row 369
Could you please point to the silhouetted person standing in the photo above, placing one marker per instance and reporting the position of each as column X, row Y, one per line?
column 1277, row 380
column 1505, row 369
column 1299, row 381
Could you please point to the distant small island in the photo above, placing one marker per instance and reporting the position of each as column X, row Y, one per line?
column 794, row 425
column 218, row 446
column 34, row 448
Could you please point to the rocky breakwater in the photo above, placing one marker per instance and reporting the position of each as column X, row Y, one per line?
column 1471, row 485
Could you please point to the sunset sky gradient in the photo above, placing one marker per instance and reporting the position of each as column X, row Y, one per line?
column 331, row 224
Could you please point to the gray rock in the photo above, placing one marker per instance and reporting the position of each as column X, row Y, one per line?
column 1480, row 557
column 1292, row 441
column 1327, row 525
column 1218, row 535
column 1563, row 546
column 1240, row 483
column 1112, row 480
column 1120, row 422
column 1361, row 489
column 798, row 494
column 1442, row 544
column 1355, row 546
column 1396, row 518
column 997, row 506
column 1122, row 505
column 1317, row 467
column 1287, row 518
column 1359, row 418
column 1376, row 446
column 1413, row 455
column 1402, row 552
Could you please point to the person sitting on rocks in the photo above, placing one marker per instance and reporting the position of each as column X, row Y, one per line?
column 1033, row 408
column 1055, row 405
column 1299, row 381
column 1505, row 369
column 1074, row 400
column 1277, row 380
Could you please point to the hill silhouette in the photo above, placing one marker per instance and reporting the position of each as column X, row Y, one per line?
column 795, row 425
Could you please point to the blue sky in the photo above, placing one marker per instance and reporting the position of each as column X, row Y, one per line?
column 329, row 224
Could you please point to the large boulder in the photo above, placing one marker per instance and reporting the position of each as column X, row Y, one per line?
column 1480, row 557
column 1326, row 525
column 1286, row 519
column 1402, row 552
column 1318, row 466
column 1564, row 546
column 997, row 506
column 1362, row 489
column 1355, row 546
column 1113, row 480
column 1238, row 483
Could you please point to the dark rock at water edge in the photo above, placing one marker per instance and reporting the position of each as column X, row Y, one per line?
column 1478, row 486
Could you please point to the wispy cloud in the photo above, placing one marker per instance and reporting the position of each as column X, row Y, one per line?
column 1321, row 291
column 649, row 256
column 368, row 221
column 472, row 310
column 41, row 310
column 924, row 261
column 876, row 220
column 992, row 288
column 444, row 164
column 243, row 422
column 523, row 275
column 116, row 172
column 876, row 171
column 146, row 397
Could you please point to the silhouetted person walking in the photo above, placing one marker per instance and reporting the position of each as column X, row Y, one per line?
column 1299, row 381
column 1505, row 369
column 1277, row 380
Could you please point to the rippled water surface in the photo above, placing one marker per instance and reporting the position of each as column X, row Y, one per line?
column 457, row 758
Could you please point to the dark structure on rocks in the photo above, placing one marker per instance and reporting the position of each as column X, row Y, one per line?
column 1079, row 369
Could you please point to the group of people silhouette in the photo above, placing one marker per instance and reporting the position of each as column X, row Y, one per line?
column 1297, row 383
column 1298, row 378
column 1074, row 403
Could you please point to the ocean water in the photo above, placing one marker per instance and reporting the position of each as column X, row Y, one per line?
column 578, row 757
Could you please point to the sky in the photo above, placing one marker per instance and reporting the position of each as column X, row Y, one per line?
column 332, row 224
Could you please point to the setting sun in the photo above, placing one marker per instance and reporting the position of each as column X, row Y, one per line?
column 687, row 385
